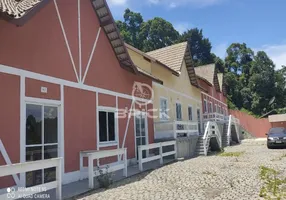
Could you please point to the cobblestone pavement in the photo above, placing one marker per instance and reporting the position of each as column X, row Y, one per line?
column 211, row 177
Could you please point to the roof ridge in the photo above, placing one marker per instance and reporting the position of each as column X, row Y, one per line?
column 167, row 47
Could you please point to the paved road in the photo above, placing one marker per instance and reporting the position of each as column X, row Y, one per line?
column 212, row 177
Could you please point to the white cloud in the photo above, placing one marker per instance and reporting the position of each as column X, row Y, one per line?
column 220, row 50
column 182, row 26
column 117, row 7
column 117, row 2
column 177, row 3
column 276, row 52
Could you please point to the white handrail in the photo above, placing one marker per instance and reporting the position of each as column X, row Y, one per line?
column 205, row 138
column 7, row 170
column 208, row 133
column 94, row 154
column 161, row 155
column 229, row 129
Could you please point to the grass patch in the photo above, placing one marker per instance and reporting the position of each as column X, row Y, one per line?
column 274, row 186
column 231, row 154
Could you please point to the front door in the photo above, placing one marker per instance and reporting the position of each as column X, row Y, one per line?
column 141, row 131
column 42, row 128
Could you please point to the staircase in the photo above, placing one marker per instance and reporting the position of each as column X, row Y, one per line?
column 211, row 134
column 200, row 147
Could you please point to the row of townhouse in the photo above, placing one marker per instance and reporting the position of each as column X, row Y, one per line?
column 69, row 83
column 185, row 94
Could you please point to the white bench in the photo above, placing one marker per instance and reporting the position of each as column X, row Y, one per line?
column 95, row 155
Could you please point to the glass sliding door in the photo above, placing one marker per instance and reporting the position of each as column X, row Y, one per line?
column 141, row 131
column 41, row 140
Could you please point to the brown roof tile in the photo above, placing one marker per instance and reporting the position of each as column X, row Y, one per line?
column 17, row 8
column 173, row 56
column 208, row 73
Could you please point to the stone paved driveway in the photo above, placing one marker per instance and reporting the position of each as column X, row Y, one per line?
column 212, row 177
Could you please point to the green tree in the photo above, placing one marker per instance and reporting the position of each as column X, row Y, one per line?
column 130, row 28
column 146, row 36
column 262, row 83
column 158, row 33
column 239, row 58
column 238, row 64
column 199, row 45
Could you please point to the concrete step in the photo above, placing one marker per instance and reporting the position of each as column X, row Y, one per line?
column 199, row 150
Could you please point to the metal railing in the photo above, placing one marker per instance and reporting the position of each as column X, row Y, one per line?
column 211, row 130
column 214, row 117
column 7, row 170
column 161, row 155
column 96, row 155
column 173, row 129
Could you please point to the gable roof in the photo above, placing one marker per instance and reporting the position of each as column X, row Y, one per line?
column 149, row 58
column 109, row 26
column 173, row 57
column 221, row 83
column 19, row 11
column 208, row 73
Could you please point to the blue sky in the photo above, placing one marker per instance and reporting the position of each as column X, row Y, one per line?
column 261, row 24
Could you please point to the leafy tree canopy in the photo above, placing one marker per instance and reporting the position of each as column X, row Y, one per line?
column 200, row 46
column 146, row 36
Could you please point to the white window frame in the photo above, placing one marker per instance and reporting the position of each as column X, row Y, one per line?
column 219, row 109
column 215, row 108
column 192, row 115
column 138, row 112
column 60, row 143
column 205, row 106
column 108, row 143
column 179, row 103
column 160, row 111
column 211, row 107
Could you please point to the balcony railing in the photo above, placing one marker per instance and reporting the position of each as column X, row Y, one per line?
column 175, row 129
column 214, row 117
